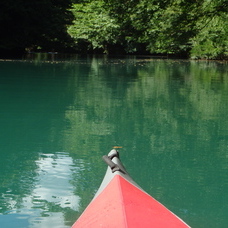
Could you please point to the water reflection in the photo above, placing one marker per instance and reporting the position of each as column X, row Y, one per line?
column 51, row 197
column 169, row 116
column 171, row 119
column 53, row 184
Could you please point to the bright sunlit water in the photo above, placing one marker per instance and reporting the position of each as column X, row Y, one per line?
column 57, row 119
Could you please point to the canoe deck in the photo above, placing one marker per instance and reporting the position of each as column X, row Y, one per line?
column 121, row 203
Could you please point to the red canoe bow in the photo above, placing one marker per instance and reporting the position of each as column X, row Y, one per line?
column 121, row 203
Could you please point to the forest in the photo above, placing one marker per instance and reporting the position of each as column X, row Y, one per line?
column 183, row 28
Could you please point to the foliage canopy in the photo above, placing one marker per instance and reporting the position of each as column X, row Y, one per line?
column 188, row 28
column 92, row 26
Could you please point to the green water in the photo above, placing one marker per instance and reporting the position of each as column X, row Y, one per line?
column 57, row 118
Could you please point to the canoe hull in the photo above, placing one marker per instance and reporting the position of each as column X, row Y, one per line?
column 121, row 203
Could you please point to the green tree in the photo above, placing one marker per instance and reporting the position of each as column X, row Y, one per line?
column 123, row 12
column 211, row 40
column 158, row 26
column 93, row 28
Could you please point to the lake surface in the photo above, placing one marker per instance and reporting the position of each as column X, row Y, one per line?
column 59, row 116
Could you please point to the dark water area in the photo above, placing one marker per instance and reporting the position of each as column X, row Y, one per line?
column 59, row 116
